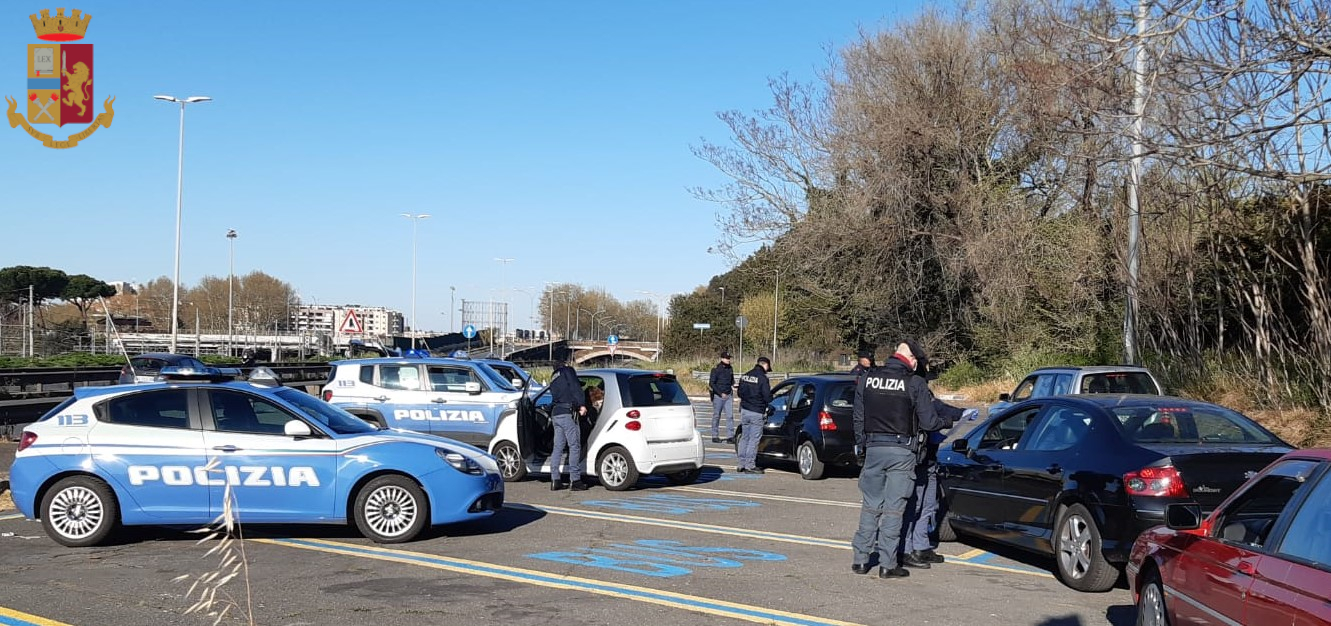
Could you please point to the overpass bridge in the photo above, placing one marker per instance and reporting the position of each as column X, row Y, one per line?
column 583, row 351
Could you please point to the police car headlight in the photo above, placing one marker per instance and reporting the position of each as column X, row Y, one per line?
column 459, row 461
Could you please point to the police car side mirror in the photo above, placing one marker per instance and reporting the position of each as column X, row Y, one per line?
column 297, row 428
column 472, row 387
column 1004, row 397
column 961, row 446
column 518, row 383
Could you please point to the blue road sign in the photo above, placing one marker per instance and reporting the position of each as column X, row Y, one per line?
column 612, row 339
column 469, row 331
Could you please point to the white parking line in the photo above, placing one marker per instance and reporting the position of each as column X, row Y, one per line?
column 764, row 496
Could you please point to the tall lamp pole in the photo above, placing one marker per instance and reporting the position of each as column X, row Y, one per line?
column 503, row 281
column 415, row 219
column 230, row 295
column 180, row 179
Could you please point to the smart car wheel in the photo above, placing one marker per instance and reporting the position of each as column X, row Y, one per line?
column 391, row 509
column 1077, row 551
column 79, row 511
column 1151, row 603
column 616, row 469
column 686, row 477
column 810, row 467
column 512, row 467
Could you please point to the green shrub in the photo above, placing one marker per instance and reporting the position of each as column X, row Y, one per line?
column 962, row 374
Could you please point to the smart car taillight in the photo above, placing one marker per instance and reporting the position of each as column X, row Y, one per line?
column 1162, row 481
column 633, row 425
column 27, row 440
column 328, row 395
column 634, row 414
column 825, row 421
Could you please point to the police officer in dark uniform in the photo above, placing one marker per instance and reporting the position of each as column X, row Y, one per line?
column 865, row 362
column 566, row 399
column 755, row 393
column 922, row 510
column 892, row 407
column 721, row 385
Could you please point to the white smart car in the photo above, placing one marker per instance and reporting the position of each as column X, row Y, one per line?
column 645, row 425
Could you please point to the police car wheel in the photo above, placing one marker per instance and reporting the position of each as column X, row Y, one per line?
column 686, row 477
column 391, row 509
column 79, row 511
column 1081, row 565
column 811, row 468
column 616, row 469
column 512, row 467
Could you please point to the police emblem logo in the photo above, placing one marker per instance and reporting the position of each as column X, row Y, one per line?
column 60, row 80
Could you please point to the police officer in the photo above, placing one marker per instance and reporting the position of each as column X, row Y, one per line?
column 917, row 545
column 865, row 362
column 566, row 399
column 721, row 384
column 755, row 393
column 892, row 405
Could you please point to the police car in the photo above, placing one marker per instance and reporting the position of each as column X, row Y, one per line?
column 171, row 452
column 455, row 398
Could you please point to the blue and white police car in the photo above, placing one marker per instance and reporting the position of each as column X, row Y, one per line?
column 171, row 452
column 456, row 398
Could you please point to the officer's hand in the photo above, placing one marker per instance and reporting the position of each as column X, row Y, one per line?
column 582, row 411
column 859, row 453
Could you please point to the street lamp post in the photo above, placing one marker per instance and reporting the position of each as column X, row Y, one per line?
column 503, row 282
column 180, row 179
column 230, row 295
column 415, row 330
column 452, row 293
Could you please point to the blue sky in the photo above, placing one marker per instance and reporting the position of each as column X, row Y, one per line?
column 553, row 133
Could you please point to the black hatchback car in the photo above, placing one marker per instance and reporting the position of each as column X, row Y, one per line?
column 810, row 422
column 1079, row 477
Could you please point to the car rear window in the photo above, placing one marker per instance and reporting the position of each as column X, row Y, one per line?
column 1189, row 424
column 141, row 365
column 1119, row 382
column 655, row 390
column 841, row 396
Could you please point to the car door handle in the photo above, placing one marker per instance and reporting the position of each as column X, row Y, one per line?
column 1054, row 469
column 382, row 399
column 226, row 448
column 440, row 400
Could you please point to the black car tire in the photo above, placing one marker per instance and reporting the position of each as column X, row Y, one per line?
column 686, row 477
column 512, row 467
column 391, row 509
column 806, row 457
column 1081, row 564
column 1151, row 609
column 616, row 470
column 945, row 530
column 79, row 511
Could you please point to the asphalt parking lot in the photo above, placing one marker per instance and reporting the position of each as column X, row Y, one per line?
column 731, row 549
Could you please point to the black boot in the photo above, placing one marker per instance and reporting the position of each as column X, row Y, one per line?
column 896, row 572
column 556, row 485
column 578, row 485
column 915, row 559
column 931, row 556
column 860, row 568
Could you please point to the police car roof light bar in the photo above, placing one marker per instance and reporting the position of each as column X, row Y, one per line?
column 181, row 374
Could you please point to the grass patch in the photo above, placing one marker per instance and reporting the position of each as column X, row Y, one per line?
column 6, row 502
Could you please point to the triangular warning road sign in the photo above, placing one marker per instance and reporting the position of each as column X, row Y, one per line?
column 351, row 323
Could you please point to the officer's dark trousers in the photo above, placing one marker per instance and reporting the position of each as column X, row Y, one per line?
column 923, row 511
column 566, row 433
column 886, row 483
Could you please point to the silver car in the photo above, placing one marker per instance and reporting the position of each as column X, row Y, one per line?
column 1078, row 379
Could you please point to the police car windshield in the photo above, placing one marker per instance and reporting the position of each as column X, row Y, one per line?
column 329, row 416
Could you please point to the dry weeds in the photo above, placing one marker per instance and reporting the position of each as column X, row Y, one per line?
column 6, row 502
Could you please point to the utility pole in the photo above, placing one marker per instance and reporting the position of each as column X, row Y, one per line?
column 1134, row 181
column 32, row 347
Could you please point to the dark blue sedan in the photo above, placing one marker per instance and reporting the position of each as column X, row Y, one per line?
column 1079, row 477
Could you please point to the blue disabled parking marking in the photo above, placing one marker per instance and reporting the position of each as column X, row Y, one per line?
column 658, row 558
column 672, row 504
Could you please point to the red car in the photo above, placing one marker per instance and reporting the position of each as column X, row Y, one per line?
column 1262, row 557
